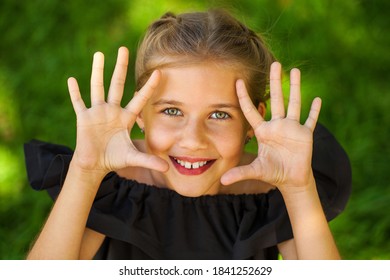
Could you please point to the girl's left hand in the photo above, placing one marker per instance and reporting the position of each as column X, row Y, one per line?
column 284, row 145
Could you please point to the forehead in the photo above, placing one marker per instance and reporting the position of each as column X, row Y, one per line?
column 198, row 81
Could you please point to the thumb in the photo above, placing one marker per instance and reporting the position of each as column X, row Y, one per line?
column 147, row 161
column 240, row 173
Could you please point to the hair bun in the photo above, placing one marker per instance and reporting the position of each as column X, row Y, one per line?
column 167, row 18
column 169, row 15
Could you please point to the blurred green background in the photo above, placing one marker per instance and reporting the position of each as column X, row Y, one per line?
column 342, row 48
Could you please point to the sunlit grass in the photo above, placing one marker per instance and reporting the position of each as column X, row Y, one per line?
column 11, row 168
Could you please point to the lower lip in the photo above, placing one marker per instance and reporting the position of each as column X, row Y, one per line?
column 196, row 171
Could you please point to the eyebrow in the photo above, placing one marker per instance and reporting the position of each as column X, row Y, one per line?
column 178, row 103
column 167, row 102
column 225, row 106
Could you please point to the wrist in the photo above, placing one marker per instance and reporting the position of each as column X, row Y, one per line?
column 303, row 200
column 91, row 177
column 308, row 187
column 87, row 166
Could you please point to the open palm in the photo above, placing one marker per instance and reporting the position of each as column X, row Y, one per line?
column 103, row 131
column 285, row 146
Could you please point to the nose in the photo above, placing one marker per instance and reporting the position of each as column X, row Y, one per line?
column 193, row 136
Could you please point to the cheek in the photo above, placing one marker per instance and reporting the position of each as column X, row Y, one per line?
column 158, row 137
column 230, row 142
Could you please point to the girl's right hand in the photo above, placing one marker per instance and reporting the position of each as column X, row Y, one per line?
column 103, row 131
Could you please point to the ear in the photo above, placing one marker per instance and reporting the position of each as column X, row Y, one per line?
column 140, row 121
column 262, row 111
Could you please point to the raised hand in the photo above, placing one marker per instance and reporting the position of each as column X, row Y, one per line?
column 103, row 131
column 284, row 145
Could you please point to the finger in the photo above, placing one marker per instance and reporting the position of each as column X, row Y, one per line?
column 139, row 100
column 250, row 111
column 240, row 173
column 277, row 103
column 118, row 79
column 75, row 96
column 97, row 87
column 314, row 113
column 294, row 103
column 147, row 161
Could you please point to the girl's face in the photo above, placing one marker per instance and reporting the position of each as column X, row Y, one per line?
column 195, row 123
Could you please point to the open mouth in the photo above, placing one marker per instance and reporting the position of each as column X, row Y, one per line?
column 191, row 166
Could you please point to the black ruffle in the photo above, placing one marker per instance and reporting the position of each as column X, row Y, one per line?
column 332, row 172
column 142, row 221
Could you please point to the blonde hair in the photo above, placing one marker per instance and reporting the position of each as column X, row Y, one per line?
column 197, row 37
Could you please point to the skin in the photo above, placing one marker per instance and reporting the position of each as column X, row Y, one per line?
column 189, row 119
column 103, row 145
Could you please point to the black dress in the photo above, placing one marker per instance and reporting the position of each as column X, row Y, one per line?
column 146, row 222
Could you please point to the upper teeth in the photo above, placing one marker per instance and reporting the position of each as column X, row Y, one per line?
column 190, row 165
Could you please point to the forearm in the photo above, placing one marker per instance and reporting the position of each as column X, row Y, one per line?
column 62, row 234
column 313, row 238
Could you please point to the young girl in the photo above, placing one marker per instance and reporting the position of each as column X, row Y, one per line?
column 188, row 190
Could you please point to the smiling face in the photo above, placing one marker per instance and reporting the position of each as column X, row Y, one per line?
column 195, row 123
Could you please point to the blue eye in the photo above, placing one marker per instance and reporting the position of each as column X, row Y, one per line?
column 172, row 112
column 220, row 115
